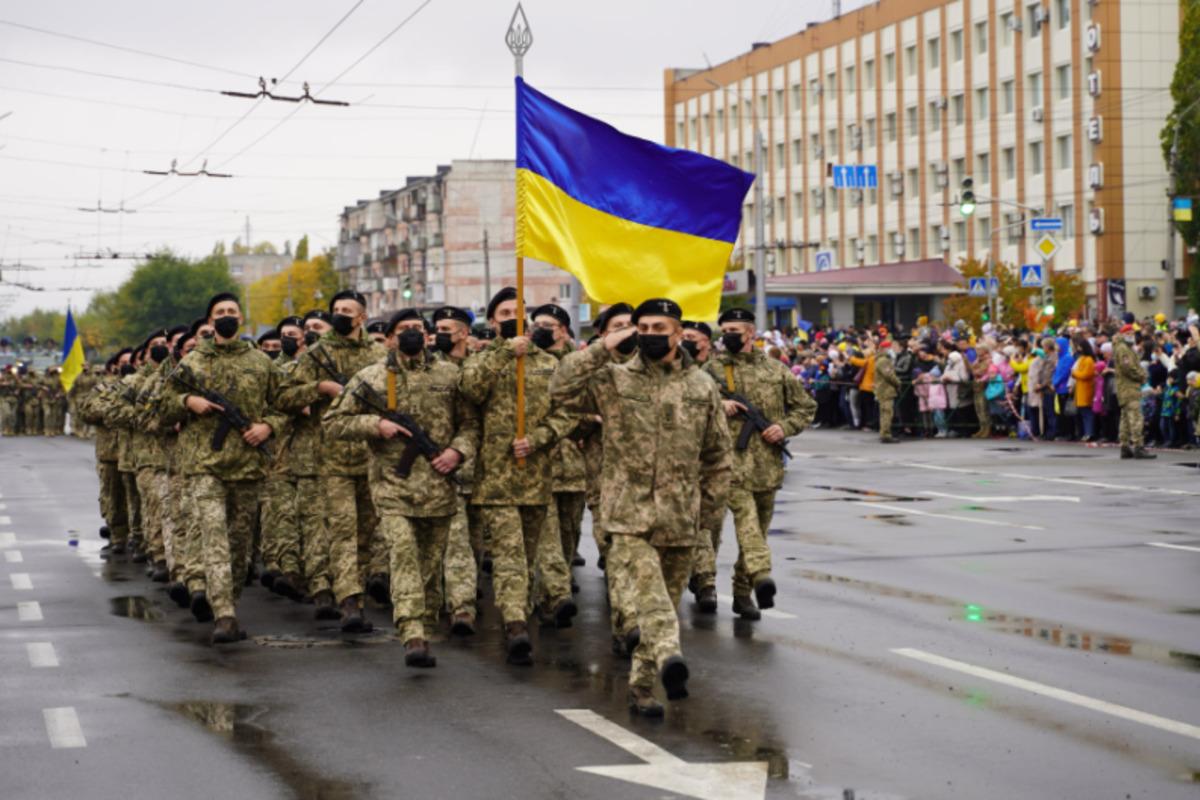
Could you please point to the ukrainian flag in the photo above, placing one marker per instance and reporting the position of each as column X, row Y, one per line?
column 72, row 357
column 629, row 218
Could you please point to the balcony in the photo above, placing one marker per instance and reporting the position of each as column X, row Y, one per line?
column 436, row 240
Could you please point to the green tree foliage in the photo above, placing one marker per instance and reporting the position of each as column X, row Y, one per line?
column 1184, row 120
column 305, row 285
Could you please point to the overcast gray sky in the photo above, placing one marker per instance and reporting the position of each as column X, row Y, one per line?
column 439, row 89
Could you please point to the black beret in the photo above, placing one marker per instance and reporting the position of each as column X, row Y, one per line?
column 658, row 307
column 615, row 310
column 551, row 310
column 429, row 326
column 347, row 294
column 403, row 315
column 196, row 325
column 221, row 298
column 377, row 326
column 736, row 315
column 271, row 335
column 481, row 330
column 703, row 327
column 286, row 321
column 505, row 294
column 454, row 313
column 177, row 330
column 154, row 335
column 317, row 313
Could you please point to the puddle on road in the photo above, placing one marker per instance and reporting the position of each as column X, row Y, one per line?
column 1045, row 631
column 1188, row 464
column 891, row 519
column 1009, row 449
column 866, row 495
column 239, row 725
column 134, row 607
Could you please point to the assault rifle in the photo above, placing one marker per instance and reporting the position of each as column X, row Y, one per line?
column 419, row 444
column 326, row 363
column 231, row 416
column 756, row 422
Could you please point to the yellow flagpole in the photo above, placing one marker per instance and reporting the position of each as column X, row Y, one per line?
column 519, row 39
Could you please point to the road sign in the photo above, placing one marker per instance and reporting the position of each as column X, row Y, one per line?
column 1181, row 208
column 977, row 287
column 824, row 260
column 1047, row 246
column 1046, row 224
column 855, row 176
column 1031, row 276
column 736, row 282
column 1116, row 292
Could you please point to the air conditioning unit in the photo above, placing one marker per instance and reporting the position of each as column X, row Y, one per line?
column 1147, row 292
column 818, row 151
column 1038, row 114
column 856, row 197
column 819, row 200
column 942, row 103
column 1041, row 16
column 1014, row 23
column 856, row 138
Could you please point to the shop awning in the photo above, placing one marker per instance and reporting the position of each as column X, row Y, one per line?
column 932, row 276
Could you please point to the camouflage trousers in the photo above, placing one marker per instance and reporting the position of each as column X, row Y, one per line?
column 525, row 545
column 175, row 538
column 191, row 548
column 463, row 550
column 656, row 577
column 280, row 531
column 982, row 414
column 351, row 522
column 416, row 548
column 152, row 491
column 8, row 416
column 112, row 501
column 1132, row 426
column 752, row 513
column 224, row 516
column 133, row 508
column 887, row 407
column 569, row 506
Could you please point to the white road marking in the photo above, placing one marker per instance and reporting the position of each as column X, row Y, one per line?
column 738, row 780
column 3, row 507
column 21, row 581
column 41, row 654
column 1083, row 701
column 5, row 520
column 976, row 520
column 1046, row 479
column 29, row 612
column 1174, row 546
column 935, row 467
column 62, row 726
column 13, row 556
column 8, row 539
column 1057, row 498
column 770, row 613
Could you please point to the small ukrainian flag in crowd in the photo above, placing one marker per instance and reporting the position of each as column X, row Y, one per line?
column 72, row 357
column 629, row 218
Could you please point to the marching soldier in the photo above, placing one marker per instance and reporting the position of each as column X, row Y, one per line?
column 666, row 469
column 1130, row 377
column 697, row 340
column 113, row 508
column 887, row 386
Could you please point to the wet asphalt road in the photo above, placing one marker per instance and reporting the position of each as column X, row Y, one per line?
column 939, row 634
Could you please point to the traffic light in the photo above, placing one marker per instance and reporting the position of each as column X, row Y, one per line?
column 966, row 203
column 407, row 293
column 986, row 315
column 999, row 307
column 1048, row 301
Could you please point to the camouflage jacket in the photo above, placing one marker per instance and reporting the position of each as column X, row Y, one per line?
column 490, row 381
column 247, row 378
column 135, row 413
column 770, row 386
column 466, row 470
column 428, row 391
column 1130, row 372
column 569, row 472
column 667, row 451
column 122, row 390
column 91, row 411
column 331, row 457
column 887, row 383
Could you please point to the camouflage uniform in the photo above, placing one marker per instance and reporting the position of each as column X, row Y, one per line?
column 758, row 470
column 146, row 449
column 415, row 512
column 666, row 469
column 8, row 404
column 516, row 499
column 570, row 482
column 112, row 492
column 464, row 545
column 350, row 545
column 125, row 462
column 887, row 386
column 979, row 374
column 1130, row 377
column 280, row 513
column 84, row 383
column 224, row 484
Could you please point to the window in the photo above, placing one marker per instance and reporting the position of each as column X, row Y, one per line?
column 680, row 134
column 818, row 200
column 1009, row 163
column 934, row 122
column 913, row 243
column 1067, row 213
column 869, row 72
column 720, row 121
column 981, row 38
column 935, row 237
column 981, row 103
column 1063, row 151
column 1035, row 89
column 1013, row 225
column 815, row 144
column 850, row 83
column 1062, row 10
column 796, row 96
column 983, row 169
column 985, row 231
column 935, row 179
column 933, row 53
column 960, row 109
column 778, row 156
column 872, row 196
column 797, row 203
column 897, row 245
column 960, row 235
column 733, row 115
column 1006, row 31
column 1062, row 81
column 871, row 141
column 733, row 159
column 1035, row 158
column 814, row 92
column 695, row 129
column 911, row 123
column 1033, row 25
column 889, row 68
column 778, row 101
column 910, row 61
column 960, row 171
column 832, row 141
column 764, row 106
column 831, row 86
column 956, row 46
column 797, row 151
column 914, row 182
column 889, row 125
column 872, row 249
column 780, row 208
column 1008, row 93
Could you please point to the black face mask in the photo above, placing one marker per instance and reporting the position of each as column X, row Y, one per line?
column 272, row 354
column 127, row 369
column 227, row 327
column 543, row 338
column 508, row 329
column 159, row 353
column 627, row 346
column 343, row 324
column 654, row 346
column 290, row 345
column 733, row 342
column 311, row 337
column 410, row 342
column 444, row 343
column 691, row 347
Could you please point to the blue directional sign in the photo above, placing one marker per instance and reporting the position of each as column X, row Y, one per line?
column 1046, row 224
column 1031, row 276
column 855, row 176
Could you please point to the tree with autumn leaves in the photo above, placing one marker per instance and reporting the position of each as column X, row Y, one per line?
column 1020, row 306
column 307, row 284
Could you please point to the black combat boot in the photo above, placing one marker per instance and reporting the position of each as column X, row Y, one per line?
column 201, row 610
column 416, row 654
column 1142, row 454
column 564, row 611
column 462, row 624
column 179, row 593
column 516, row 642
column 267, row 579
column 379, row 588
column 105, row 533
column 1126, row 451
column 282, row 585
column 764, row 593
column 643, row 702
column 160, row 573
column 325, row 607
column 674, row 676
column 743, row 606
column 578, row 561
column 353, row 618
column 227, row 631
column 706, row 600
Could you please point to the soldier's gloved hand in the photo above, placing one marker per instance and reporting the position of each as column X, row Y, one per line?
column 329, row 388
column 199, row 406
column 520, row 345
column 733, row 408
column 522, row 448
column 257, row 433
column 447, row 461
column 389, row 429
column 773, row 434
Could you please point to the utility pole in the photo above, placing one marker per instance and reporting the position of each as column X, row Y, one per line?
column 760, row 245
column 1172, row 188
column 487, row 271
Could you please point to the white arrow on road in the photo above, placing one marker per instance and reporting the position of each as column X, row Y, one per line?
column 737, row 780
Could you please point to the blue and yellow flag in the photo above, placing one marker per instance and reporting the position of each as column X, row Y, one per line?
column 630, row 218
column 72, row 357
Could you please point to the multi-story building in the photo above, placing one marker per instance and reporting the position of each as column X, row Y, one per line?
column 1052, row 108
column 445, row 238
column 248, row 268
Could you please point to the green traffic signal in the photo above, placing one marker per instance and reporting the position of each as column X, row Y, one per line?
column 1048, row 310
